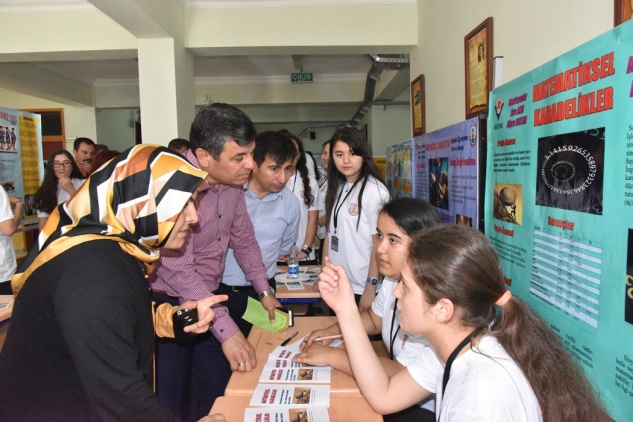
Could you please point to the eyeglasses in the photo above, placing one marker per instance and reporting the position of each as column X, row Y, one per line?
column 64, row 164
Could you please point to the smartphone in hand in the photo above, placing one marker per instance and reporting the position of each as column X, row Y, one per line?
column 181, row 319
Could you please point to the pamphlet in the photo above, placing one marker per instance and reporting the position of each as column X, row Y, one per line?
column 308, row 375
column 281, row 414
column 274, row 362
column 293, row 395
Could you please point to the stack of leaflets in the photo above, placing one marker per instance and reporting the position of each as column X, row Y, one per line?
column 289, row 391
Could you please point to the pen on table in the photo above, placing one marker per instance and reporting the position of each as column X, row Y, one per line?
column 286, row 341
column 328, row 337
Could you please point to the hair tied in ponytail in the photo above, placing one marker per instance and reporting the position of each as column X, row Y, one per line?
column 505, row 297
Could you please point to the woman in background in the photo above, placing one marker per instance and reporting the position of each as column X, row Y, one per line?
column 81, row 342
column 101, row 158
column 398, row 220
column 355, row 195
column 62, row 178
column 322, row 222
column 306, row 188
column 484, row 365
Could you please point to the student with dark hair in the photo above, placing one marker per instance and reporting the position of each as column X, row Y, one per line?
column 306, row 188
column 274, row 211
column 317, row 173
column 179, row 144
column 355, row 195
column 398, row 220
column 322, row 222
column 486, row 365
column 62, row 178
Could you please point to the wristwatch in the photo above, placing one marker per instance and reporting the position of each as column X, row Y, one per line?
column 268, row 292
column 306, row 249
column 373, row 281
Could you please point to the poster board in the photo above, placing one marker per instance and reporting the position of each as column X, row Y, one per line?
column 21, row 166
column 399, row 170
column 559, row 196
column 446, row 171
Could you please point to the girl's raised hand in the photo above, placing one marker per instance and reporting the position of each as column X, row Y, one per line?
column 335, row 287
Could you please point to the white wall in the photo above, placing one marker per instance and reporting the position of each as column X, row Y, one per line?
column 116, row 128
column 388, row 126
column 81, row 121
column 78, row 121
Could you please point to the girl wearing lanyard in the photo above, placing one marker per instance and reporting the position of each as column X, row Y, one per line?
column 355, row 194
column 398, row 219
column 487, row 363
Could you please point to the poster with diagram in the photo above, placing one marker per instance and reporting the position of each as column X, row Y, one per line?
column 559, row 196
column 446, row 171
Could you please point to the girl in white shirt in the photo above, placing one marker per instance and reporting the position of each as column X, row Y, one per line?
column 355, row 195
column 484, row 365
column 321, row 229
column 398, row 220
column 306, row 189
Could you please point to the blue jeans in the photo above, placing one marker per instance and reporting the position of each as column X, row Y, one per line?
column 190, row 374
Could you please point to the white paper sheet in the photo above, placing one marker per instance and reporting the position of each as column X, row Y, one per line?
column 292, row 395
column 281, row 414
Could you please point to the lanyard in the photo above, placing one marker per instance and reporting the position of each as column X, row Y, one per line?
column 392, row 337
column 336, row 210
column 295, row 181
column 451, row 358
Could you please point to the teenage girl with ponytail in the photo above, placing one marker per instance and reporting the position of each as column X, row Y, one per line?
column 306, row 189
column 488, row 363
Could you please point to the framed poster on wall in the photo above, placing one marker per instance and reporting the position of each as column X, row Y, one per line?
column 417, row 106
column 622, row 11
column 478, row 61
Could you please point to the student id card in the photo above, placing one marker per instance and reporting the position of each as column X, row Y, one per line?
column 335, row 243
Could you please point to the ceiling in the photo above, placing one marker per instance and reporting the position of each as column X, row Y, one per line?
column 94, row 72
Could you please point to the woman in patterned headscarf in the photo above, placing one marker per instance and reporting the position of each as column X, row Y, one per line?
column 81, row 340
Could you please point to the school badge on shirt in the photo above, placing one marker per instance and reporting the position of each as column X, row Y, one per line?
column 353, row 209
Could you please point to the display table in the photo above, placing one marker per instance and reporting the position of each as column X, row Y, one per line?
column 341, row 409
column 242, row 384
column 305, row 295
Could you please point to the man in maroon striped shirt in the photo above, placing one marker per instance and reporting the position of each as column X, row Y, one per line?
column 222, row 143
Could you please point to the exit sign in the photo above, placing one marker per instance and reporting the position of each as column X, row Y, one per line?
column 301, row 78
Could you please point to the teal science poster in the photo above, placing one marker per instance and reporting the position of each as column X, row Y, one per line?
column 559, row 201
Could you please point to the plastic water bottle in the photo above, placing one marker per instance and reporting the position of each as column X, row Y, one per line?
column 293, row 261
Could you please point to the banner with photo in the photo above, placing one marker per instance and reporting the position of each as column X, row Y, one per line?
column 446, row 171
column 21, row 167
column 559, row 196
